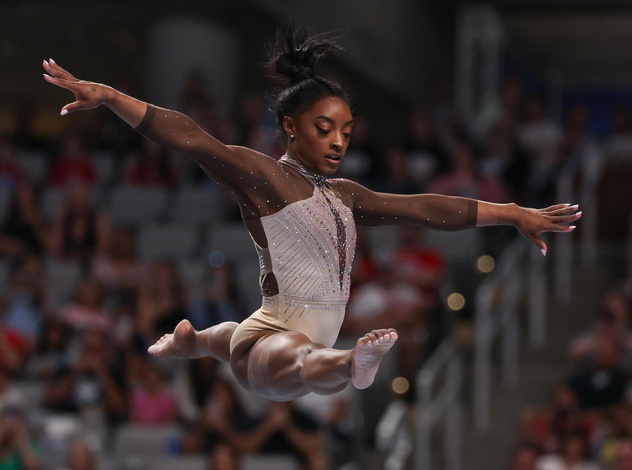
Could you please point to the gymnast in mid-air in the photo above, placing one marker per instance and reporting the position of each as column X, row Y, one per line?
column 302, row 222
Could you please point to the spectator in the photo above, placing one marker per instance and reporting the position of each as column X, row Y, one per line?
column 10, row 353
column 118, row 269
column 10, row 397
column 217, row 299
column 152, row 167
column 580, row 153
column 87, row 312
column 24, row 230
column 618, row 146
column 505, row 159
column 425, row 156
column 420, row 265
column 464, row 180
column 17, row 450
column 524, row 456
column 547, row 428
column 162, row 301
column 51, row 355
column 365, row 266
column 572, row 456
column 151, row 402
column 95, row 379
column 224, row 457
column 80, row 457
column 283, row 430
column 508, row 102
column 613, row 320
column 73, row 164
column 623, row 459
column 192, row 385
column 22, row 308
column 539, row 135
column 79, row 231
column 605, row 381
column 11, row 172
column 251, row 126
column 362, row 158
column 398, row 176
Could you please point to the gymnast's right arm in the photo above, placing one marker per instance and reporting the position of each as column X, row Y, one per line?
column 225, row 164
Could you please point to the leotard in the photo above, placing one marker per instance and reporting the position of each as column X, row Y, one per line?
column 303, row 225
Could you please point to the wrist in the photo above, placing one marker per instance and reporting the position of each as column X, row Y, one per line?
column 108, row 95
column 512, row 213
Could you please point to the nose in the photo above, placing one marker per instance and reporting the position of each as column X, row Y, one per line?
column 337, row 144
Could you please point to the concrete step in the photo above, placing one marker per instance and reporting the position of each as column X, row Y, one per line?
column 540, row 370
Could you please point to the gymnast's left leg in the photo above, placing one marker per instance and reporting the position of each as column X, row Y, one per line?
column 187, row 343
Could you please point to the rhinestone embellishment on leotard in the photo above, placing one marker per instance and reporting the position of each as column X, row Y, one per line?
column 312, row 249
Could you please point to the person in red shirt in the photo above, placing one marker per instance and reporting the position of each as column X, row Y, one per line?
column 152, row 168
column 74, row 163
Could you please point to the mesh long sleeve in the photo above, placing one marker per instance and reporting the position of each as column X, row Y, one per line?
column 430, row 210
column 180, row 133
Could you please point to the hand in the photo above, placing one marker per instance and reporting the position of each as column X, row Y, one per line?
column 88, row 95
column 533, row 222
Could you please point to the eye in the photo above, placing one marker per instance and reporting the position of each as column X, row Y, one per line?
column 347, row 134
column 323, row 131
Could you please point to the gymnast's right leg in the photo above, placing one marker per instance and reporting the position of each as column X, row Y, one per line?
column 283, row 366
column 187, row 343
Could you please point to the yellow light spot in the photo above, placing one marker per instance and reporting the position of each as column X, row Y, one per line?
column 485, row 264
column 456, row 301
column 400, row 385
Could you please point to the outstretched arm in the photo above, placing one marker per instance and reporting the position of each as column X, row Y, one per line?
column 225, row 164
column 457, row 213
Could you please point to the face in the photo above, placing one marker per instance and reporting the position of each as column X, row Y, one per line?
column 524, row 460
column 321, row 135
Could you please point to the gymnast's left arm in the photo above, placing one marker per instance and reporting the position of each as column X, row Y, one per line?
column 457, row 213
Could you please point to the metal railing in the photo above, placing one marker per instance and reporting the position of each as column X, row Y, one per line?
column 520, row 271
column 435, row 404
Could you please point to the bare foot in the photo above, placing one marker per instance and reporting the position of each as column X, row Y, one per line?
column 181, row 344
column 368, row 354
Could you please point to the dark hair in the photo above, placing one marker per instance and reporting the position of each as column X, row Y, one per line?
column 292, row 58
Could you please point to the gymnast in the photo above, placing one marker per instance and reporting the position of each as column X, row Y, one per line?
column 302, row 222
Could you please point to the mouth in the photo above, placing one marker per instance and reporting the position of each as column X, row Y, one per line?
column 334, row 157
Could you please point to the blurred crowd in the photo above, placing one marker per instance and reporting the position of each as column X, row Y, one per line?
column 74, row 372
column 588, row 425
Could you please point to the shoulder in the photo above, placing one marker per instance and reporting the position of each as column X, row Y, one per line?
column 347, row 186
column 248, row 152
column 253, row 159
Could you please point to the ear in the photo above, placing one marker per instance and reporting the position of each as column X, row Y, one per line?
column 288, row 126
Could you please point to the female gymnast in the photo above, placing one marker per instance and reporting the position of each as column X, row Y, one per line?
column 303, row 225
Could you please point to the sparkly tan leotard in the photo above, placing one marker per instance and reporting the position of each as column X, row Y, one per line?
column 303, row 225
column 307, row 240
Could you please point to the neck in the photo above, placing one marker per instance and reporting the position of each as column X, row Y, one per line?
column 289, row 160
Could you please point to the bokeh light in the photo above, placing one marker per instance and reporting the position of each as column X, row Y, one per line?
column 455, row 301
column 485, row 264
column 400, row 385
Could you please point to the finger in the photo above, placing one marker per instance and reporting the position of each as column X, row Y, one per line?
column 561, row 210
column 540, row 244
column 564, row 219
column 62, row 71
column 71, row 107
column 55, row 72
column 557, row 207
column 561, row 228
column 60, row 82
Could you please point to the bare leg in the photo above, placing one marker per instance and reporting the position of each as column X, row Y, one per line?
column 284, row 366
column 187, row 343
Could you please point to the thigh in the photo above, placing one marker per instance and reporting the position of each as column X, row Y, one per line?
column 269, row 364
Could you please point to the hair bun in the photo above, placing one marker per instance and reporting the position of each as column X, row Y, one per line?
column 295, row 54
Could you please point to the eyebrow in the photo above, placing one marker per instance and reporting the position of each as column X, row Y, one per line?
column 332, row 121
